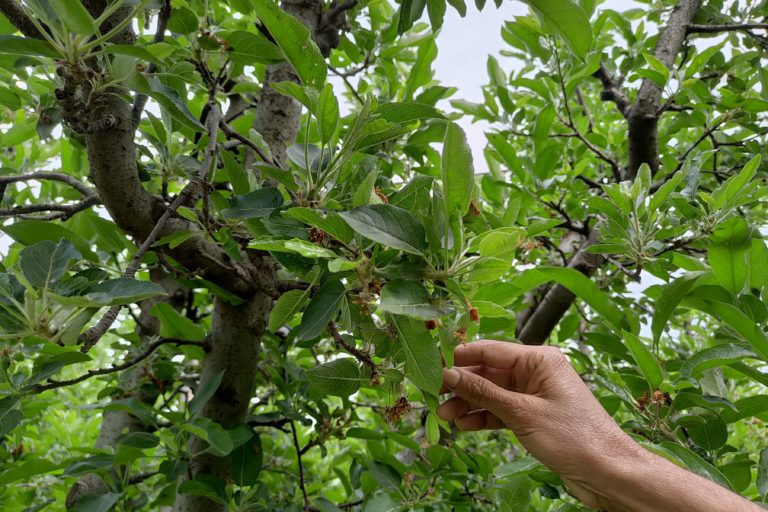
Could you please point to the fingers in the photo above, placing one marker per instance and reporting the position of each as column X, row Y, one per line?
column 466, row 416
column 479, row 420
column 496, row 354
column 483, row 394
column 504, row 378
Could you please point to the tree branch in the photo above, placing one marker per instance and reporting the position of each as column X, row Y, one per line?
column 18, row 17
column 54, row 384
column 716, row 29
column 361, row 356
column 644, row 115
column 51, row 176
column 612, row 90
column 302, row 481
column 576, row 133
column 233, row 134
column 63, row 211
column 90, row 337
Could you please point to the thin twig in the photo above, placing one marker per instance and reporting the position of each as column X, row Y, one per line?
column 576, row 133
column 90, row 337
column 54, row 384
column 302, row 482
column 50, row 176
column 345, row 78
column 361, row 356
column 733, row 27
column 232, row 134
column 62, row 211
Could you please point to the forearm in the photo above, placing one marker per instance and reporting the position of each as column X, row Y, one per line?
column 643, row 481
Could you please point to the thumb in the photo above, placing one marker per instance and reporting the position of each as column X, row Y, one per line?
column 473, row 388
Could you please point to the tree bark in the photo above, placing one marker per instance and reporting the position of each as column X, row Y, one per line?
column 642, row 120
column 234, row 341
column 644, row 115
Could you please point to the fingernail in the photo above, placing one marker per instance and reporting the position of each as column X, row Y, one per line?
column 451, row 377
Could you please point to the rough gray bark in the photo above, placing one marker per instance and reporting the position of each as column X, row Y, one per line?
column 114, row 423
column 644, row 115
column 642, row 119
column 276, row 117
column 234, row 341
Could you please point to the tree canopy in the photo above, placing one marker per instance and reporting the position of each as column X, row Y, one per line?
column 246, row 236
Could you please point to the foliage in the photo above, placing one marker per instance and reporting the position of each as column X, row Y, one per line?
column 376, row 244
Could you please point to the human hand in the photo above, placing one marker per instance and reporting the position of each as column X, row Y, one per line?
column 535, row 392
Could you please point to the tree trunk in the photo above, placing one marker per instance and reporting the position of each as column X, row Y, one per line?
column 234, row 341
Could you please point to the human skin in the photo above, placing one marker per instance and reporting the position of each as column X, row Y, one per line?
column 535, row 392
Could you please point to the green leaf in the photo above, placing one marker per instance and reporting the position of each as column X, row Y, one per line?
column 762, row 474
column 170, row 101
column 247, row 48
column 706, row 429
column 340, row 377
column 296, row 42
column 10, row 417
column 174, row 325
column 247, row 461
column 408, row 298
column 566, row 19
column 321, row 310
column 423, row 365
column 183, row 21
column 458, row 174
column 648, row 363
column 256, row 204
column 387, row 225
column 203, row 484
column 285, row 308
column 327, row 113
column 219, row 440
column 97, row 503
column 45, row 262
column 238, row 178
column 719, row 355
column 407, row 112
column 15, row 45
column 670, row 297
column 30, row 232
column 204, row 393
column 742, row 324
column 75, row 16
column 25, row 469
column 728, row 253
column 329, row 222
column 580, row 285
column 120, row 291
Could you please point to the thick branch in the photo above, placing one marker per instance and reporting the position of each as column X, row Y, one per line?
column 18, row 17
column 644, row 115
column 612, row 90
column 188, row 194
